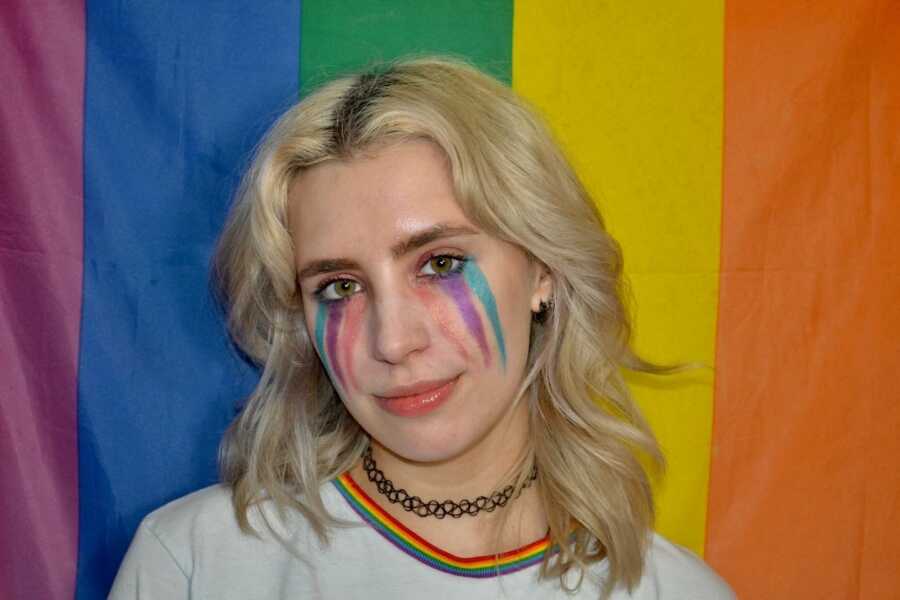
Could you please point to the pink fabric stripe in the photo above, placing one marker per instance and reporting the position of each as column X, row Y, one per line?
column 41, row 208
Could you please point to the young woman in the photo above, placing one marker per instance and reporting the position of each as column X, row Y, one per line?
column 435, row 306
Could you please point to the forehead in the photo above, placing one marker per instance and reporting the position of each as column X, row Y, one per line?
column 372, row 201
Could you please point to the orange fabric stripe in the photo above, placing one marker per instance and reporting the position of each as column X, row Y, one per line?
column 805, row 491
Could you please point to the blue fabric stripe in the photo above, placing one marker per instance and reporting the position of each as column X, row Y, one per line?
column 176, row 95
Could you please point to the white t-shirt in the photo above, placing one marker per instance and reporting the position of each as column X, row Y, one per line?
column 193, row 548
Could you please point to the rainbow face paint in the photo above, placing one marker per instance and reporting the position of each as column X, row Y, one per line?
column 478, row 283
column 343, row 318
column 448, row 325
column 461, row 290
column 351, row 321
column 328, row 323
column 456, row 288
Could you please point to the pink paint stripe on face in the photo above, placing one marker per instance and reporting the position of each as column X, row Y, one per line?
column 438, row 312
column 349, row 332
column 459, row 291
column 332, row 328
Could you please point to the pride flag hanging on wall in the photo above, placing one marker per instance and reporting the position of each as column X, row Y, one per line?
column 745, row 153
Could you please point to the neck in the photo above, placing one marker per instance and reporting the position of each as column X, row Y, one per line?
column 486, row 467
column 443, row 508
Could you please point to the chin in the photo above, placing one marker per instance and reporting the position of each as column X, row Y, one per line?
column 421, row 443
column 441, row 435
column 424, row 448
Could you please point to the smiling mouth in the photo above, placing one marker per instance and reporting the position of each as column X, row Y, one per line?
column 418, row 399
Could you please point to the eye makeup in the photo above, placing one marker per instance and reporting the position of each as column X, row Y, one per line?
column 471, row 281
column 479, row 285
column 352, row 320
column 448, row 324
column 452, row 263
column 328, row 322
column 457, row 277
column 337, row 327
column 343, row 289
column 459, row 292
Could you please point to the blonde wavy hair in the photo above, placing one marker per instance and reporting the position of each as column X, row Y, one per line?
column 588, row 438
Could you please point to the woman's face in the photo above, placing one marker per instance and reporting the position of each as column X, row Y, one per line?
column 421, row 319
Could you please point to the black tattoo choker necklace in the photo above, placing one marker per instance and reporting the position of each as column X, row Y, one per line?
column 435, row 508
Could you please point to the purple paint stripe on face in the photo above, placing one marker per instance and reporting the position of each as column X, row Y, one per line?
column 335, row 316
column 457, row 288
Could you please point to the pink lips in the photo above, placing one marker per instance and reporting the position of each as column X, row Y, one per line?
column 418, row 399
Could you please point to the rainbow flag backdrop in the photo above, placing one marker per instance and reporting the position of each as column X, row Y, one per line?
column 745, row 152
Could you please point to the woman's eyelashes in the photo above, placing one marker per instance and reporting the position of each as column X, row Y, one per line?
column 441, row 266
column 438, row 266
column 335, row 290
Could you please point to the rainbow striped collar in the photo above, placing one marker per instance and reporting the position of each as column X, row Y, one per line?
column 418, row 548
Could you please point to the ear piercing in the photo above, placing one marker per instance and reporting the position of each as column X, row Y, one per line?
column 543, row 311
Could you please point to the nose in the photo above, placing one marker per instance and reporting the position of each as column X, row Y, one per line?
column 399, row 329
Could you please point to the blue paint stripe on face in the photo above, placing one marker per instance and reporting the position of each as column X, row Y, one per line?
column 478, row 283
column 321, row 320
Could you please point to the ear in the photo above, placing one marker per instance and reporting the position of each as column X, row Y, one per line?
column 543, row 286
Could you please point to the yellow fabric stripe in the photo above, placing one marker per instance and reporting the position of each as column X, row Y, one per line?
column 633, row 90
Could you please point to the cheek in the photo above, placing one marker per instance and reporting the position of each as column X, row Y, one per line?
column 336, row 330
column 475, row 306
column 479, row 286
column 442, row 314
column 328, row 323
column 457, row 290
column 353, row 318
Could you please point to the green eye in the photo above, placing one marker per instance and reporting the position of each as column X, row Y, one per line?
column 338, row 290
column 345, row 288
column 443, row 265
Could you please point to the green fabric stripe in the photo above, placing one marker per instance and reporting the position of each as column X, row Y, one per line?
column 345, row 35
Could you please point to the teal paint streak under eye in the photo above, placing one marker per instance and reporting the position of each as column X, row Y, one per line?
column 321, row 319
column 478, row 283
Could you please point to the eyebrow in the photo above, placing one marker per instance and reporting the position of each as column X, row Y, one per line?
column 435, row 232
column 415, row 241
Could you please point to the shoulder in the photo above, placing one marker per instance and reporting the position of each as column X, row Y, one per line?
column 207, row 517
column 672, row 572
column 162, row 556
column 193, row 520
column 196, row 543
column 180, row 528
column 207, row 507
